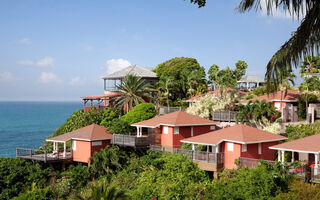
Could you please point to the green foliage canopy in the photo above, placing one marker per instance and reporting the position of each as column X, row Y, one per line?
column 187, row 74
column 227, row 77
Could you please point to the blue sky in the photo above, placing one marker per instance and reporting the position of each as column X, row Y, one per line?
column 59, row 50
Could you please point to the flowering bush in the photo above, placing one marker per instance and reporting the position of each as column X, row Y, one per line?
column 208, row 103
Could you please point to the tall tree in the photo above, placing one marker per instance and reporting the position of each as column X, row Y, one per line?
column 179, row 69
column 227, row 77
column 309, row 85
column 163, row 87
column 132, row 90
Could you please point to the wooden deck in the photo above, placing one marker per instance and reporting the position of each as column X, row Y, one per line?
column 205, row 160
column 42, row 156
column 131, row 140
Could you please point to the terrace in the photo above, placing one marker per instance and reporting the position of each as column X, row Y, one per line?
column 43, row 156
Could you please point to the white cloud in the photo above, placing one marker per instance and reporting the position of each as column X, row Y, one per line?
column 49, row 77
column 25, row 41
column 76, row 81
column 114, row 65
column 7, row 77
column 45, row 62
column 25, row 62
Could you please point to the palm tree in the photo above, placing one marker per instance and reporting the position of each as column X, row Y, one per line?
column 285, row 79
column 303, row 42
column 132, row 90
column 163, row 86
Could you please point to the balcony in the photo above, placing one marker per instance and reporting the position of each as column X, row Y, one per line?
column 97, row 108
column 131, row 140
column 206, row 160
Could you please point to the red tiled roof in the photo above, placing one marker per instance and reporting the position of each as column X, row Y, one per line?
column 214, row 93
column 101, row 96
column 88, row 133
column 292, row 96
column 239, row 134
column 178, row 118
column 308, row 144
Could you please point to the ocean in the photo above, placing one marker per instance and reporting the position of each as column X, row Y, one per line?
column 28, row 124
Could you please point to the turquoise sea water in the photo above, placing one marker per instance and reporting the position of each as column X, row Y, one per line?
column 28, row 124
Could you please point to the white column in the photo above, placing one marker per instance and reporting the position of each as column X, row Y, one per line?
column 316, row 160
column 208, row 148
column 217, row 148
column 279, row 155
column 64, row 149
column 282, row 159
column 54, row 146
column 193, row 148
column 292, row 156
column 138, row 131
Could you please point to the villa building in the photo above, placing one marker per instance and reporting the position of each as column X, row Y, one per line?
column 84, row 142
column 166, row 130
column 246, row 143
column 250, row 82
column 110, row 86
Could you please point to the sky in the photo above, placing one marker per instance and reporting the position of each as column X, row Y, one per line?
column 54, row 50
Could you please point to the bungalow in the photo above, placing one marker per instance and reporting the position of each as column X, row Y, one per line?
column 305, row 149
column 246, row 143
column 84, row 142
column 247, row 81
column 166, row 130
column 290, row 99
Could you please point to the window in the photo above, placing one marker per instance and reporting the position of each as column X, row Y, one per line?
column 259, row 149
column 74, row 145
column 277, row 106
column 212, row 128
column 96, row 143
column 176, row 130
column 229, row 146
column 244, row 148
column 165, row 130
column 191, row 131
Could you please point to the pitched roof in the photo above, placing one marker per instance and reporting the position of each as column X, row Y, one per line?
column 88, row 133
column 178, row 118
column 310, row 144
column 239, row 134
column 133, row 69
column 251, row 79
column 214, row 93
column 292, row 96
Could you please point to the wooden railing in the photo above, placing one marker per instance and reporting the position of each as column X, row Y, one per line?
column 251, row 162
column 131, row 140
column 41, row 155
column 201, row 156
column 226, row 116
column 166, row 110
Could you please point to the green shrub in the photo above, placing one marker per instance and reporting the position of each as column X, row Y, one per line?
column 62, row 188
column 17, row 175
column 263, row 182
column 301, row 131
column 302, row 191
column 108, row 116
column 119, row 126
column 140, row 113
column 78, row 176
column 43, row 194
